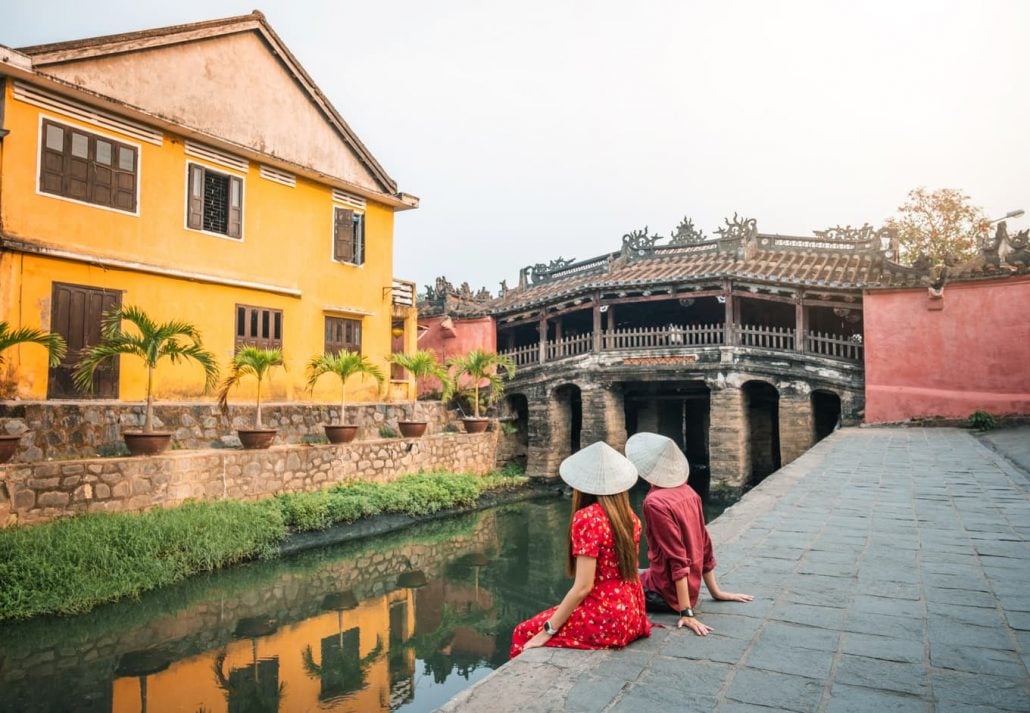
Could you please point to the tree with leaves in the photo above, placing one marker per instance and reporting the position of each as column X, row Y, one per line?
column 344, row 365
column 249, row 361
column 940, row 226
column 479, row 365
column 27, row 335
column 152, row 341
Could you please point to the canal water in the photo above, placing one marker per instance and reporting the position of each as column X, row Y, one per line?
column 400, row 622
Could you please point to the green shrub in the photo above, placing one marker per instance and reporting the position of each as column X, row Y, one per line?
column 71, row 565
column 387, row 432
column 508, row 428
column 982, row 421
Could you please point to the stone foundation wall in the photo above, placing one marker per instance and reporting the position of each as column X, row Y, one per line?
column 37, row 492
column 84, row 429
column 728, row 452
column 797, row 428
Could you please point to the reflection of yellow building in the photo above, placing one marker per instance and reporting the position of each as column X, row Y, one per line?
column 196, row 172
column 260, row 666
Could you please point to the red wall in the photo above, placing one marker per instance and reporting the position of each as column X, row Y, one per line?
column 464, row 336
column 972, row 354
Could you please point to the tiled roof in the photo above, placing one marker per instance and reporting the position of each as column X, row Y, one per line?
column 827, row 262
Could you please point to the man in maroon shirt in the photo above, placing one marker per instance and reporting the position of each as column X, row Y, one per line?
column 678, row 547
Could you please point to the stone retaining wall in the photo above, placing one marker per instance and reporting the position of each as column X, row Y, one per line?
column 83, row 429
column 37, row 492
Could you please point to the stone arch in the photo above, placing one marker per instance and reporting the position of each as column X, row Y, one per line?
column 566, row 420
column 515, row 411
column 762, row 418
column 826, row 413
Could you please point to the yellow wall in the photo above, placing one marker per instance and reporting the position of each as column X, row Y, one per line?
column 287, row 242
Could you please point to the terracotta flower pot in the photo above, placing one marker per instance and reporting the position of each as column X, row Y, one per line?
column 475, row 425
column 147, row 444
column 412, row 429
column 255, row 438
column 337, row 433
column 9, row 446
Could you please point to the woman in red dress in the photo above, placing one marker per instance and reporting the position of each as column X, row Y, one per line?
column 604, row 609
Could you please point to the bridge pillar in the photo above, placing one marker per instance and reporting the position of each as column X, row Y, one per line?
column 727, row 436
column 797, row 427
column 604, row 416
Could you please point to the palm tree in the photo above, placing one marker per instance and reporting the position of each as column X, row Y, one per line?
column 249, row 361
column 27, row 335
column 152, row 342
column 344, row 365
column 480, row 365
column 421, row 364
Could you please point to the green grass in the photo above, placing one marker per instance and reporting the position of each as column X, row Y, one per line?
column 70, row 566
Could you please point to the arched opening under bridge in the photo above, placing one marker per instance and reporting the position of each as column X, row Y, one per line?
column 825, row 413
column 762, row 408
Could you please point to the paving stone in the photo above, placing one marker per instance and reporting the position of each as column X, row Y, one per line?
column 592, row 694
column 884, row 647
column 772, row 655
column 800, row 636
column 725, row 623
column 853, row 699
column 824, row 617
column 659, row 699
column 886, row 605
column 945, row 613
column 713, row 647
column 877, row 673
column 958, row 687
column 957, row 634
column 884, row 625
column 976, row 660
column 775, row 690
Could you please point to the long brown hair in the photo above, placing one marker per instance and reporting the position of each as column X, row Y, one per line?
column 620, row 515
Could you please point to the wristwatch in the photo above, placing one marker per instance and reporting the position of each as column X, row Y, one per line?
column 687, row 612
column 551, row 631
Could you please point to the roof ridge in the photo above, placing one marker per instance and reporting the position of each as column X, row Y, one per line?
column 139, row 34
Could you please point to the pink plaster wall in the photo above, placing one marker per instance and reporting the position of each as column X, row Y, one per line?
column 972, row 354
column 464, row 336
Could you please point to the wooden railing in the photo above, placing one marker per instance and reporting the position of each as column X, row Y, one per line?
column 523, row 356
column 570, row 346
column 705, row 335
column 833, row 346
column 765, row 337
column 664, row 337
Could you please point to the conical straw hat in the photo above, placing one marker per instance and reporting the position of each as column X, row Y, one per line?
column 658, row 460
column 598, row 469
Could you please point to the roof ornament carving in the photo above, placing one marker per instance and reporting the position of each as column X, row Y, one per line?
column 638, row 244
column 882, row 240
column 687, row 234
column 740, row 228
column 1005, row 249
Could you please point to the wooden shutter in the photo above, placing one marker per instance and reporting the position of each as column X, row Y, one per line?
column 51, row 179
column 235, row 207
column 359, row 239
column 195, row 198
column 343, row 235
column 125, row 168
column 77, row 162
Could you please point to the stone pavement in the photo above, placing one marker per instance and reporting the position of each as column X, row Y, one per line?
column 891, row 569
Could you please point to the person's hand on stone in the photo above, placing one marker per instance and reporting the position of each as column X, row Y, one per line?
column 733, row 597
column 694, row 625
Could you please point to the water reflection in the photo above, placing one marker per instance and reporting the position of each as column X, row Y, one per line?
column 398, row 623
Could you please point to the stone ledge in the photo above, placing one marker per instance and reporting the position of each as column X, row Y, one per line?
column 38, row 492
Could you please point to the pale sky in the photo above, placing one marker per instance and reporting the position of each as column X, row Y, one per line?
column 533, row 130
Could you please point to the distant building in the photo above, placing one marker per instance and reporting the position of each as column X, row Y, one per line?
column 748, row 348
column 197, row 172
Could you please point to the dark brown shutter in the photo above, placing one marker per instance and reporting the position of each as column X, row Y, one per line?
column 195, row 198
column 343, row 235
column 77, row 155
column 51, row 179
column 124, row 196
column 235, row 207
column 359, row 239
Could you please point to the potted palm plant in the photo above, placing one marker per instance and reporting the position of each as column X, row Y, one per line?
column 251, row 361
column 26, row 335
column 420, row 364
column 479, row 365
column 175, row 340
column 344, row 365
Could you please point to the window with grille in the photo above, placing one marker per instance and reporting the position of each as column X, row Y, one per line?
column 215, row 202
column 87, row 167
column 342, row 335
column 349, row 236
column 259, row 327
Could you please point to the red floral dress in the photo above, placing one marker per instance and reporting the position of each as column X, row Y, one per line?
column 612, row 615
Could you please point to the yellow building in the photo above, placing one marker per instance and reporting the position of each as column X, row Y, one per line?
column 197, row 172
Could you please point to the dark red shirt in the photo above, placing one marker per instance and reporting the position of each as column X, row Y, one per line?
column 678, row 545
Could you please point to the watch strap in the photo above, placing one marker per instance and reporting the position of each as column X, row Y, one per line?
column 687, row 612
column 551, row 631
